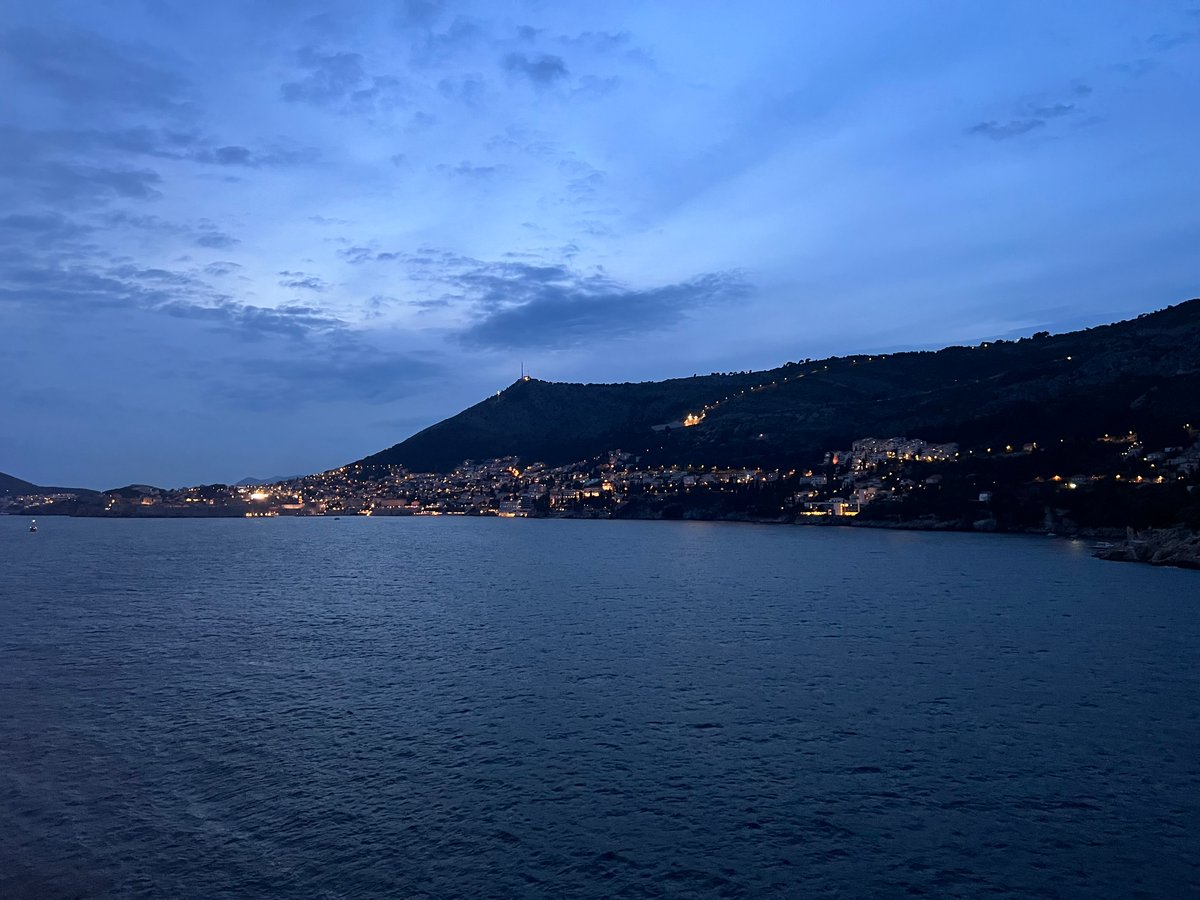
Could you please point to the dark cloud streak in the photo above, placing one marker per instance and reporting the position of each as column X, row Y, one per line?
column 1035, row 116
column 551, row 307
column 304, row 281
column 1003, row 131
column 216, row 240
column 529, row 304
column 543, row 70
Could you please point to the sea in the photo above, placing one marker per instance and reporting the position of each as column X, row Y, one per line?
column 467, row 707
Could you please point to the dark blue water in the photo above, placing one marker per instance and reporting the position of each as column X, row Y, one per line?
column 497, row 708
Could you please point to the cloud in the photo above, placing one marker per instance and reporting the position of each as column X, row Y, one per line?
column 1032, row 116
column 44, row 227
column 48, row 284
column 583, row 180
column 1165, row 41
column 160, row 143
column 359, row 255
column 525, row 141
column 1002, row 131
column 255, row 322
column 70, row 184
column 599, row 41
column 91, row 74
column 235, row 155
column 77, row 287
column 30, row 173
column 616, row 44
column 469, row 89
column 553, row 307
column 428, row 306
column 203, row 234
column 301, row 280
column 470, row 171
column 542, row 70
column 523, row 302
column 520, row 304
column 438, row 48
column 378, row 304
column 1137, row 67
column 60, row 270
column 301, row 350
column 420, row 120
column 216, row 240
column 1053, row 111
column 167, row 144
column 419, row 13
column 592, row 87
column 122, row 218
column 339, row 81
column 232, row 156
column 82, row 168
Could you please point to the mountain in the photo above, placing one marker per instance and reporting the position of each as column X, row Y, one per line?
column 13, row 486
column 1140, row 375
column 556, row 423
column 256, row 482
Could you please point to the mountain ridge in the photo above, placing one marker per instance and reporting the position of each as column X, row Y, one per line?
column 10, row 485
column 1136, row 374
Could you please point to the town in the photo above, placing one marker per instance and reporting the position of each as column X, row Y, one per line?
column 900, row 479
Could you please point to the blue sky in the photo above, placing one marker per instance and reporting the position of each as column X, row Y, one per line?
column 263, row 239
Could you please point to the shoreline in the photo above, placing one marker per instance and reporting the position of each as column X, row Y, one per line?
column 1178, row 547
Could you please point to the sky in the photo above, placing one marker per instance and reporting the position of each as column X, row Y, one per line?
column 264, row 239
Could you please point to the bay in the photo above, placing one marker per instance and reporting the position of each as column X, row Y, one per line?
column 547, row 708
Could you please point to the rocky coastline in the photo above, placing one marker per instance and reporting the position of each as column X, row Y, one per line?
column 1158, row 547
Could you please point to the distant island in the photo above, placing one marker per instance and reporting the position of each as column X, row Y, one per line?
column 1093, row 432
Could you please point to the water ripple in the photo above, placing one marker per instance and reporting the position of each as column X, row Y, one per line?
column 495, row 708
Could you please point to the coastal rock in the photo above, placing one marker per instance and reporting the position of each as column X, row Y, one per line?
column 1158, row 547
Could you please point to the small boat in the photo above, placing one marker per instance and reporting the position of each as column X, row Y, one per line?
column 33, row 526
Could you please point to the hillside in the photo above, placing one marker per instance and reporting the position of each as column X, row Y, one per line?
column 1141, row 375
column 10, row 484
column 552, row 422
